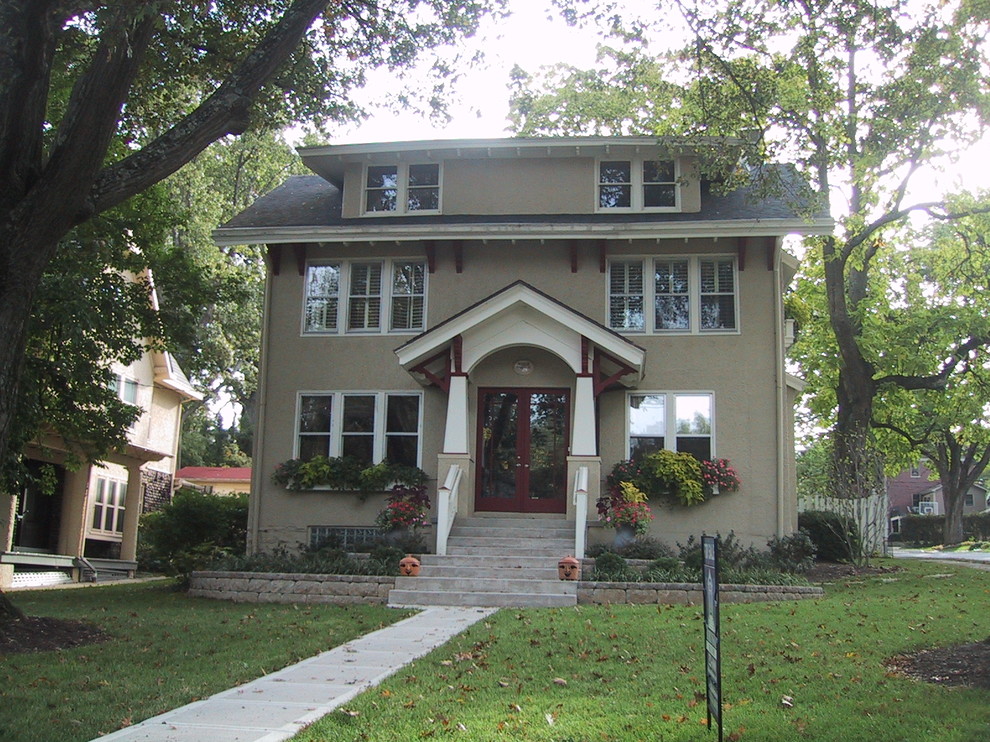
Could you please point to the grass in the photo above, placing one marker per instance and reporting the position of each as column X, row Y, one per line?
column 596, row 674
column 167, row 650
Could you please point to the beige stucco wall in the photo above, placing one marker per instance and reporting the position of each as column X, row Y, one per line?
column 739, row 368
column 524, row 185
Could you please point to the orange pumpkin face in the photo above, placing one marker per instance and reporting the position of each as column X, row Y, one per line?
column 409, row 566
column 569, row 568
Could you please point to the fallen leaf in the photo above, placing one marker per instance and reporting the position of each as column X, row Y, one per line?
column 550, row 720
column 559, row 681
column 787, row 702
column 350, row 712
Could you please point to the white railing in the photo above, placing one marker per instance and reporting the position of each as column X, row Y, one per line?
column 447, row 506
column 580, row 510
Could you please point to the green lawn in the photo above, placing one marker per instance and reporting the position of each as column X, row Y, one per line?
column 636, row 672
column 167, row 650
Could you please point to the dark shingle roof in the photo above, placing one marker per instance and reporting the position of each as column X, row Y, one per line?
column 310, row 201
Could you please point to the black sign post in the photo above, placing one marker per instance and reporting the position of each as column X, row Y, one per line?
column 713, row 656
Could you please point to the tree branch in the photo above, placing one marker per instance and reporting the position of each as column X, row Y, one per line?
column 224, row 112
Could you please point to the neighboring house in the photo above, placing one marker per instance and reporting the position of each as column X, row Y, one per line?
column 88, row 528
column 917, row 491
column 526, row 312
column 217, row 480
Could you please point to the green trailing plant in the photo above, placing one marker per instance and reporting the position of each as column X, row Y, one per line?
column 679, row 477
column 344, row 474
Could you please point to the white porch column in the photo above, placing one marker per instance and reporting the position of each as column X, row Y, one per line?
column 455, row 437
column 583, row 439
column 133, row 505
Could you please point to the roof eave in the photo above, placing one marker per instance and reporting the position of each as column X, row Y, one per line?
column 226, row 236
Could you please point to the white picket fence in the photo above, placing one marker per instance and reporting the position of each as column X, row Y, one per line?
column 869, row 513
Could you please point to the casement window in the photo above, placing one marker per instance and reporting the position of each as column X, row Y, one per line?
column 369, row 426
column 638, row 185
column 125, row 388
column 378, row 296
column 676, row 421
column 687, row 295
column 402, row 189
column 108, row 506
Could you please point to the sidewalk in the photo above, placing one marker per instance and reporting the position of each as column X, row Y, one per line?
column 277, row 706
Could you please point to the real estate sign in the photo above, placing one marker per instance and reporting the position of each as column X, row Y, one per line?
column 713, row 658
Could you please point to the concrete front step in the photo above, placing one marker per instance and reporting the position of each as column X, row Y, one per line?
column 403, row 598
column 461, row 531
column 508, row 571
column 485, row 585
column 512, row 544
column 503, row 522
column 507, row 561
column 500, row 551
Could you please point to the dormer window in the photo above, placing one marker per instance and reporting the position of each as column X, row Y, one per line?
column 638, row 185
column 402, row 189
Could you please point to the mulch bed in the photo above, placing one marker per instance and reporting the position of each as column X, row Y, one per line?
column 965, row 664
column 42, row 634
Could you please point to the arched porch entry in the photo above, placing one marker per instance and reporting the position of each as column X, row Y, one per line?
column 503, row 418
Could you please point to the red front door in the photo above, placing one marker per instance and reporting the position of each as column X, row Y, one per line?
column 522, row 444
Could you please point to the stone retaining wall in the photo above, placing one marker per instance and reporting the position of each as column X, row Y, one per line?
column 269, row 587
column 676, row 593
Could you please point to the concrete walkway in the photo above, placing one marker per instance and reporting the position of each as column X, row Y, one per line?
column 277, row 706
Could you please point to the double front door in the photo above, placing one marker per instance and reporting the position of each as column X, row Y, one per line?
column 522, row 445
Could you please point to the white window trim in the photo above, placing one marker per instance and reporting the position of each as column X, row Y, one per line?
column 120, row 383
column 344, row 297
column 121, row 489
column 636, row 194
column 337, row 422
column 402, row 190
column 670, row 416
column 694, row 295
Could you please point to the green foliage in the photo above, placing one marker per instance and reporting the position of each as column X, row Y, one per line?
column 610, row 567
column 344, row 474
column 642, row 547
column 327, row 561
column 671, row 473
column 928, row 530
column 832, row 534
column 191, row 531
column 794, row 553
column 731, row 554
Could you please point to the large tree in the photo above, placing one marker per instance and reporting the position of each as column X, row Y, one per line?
column 100, row 101
column 866, row 98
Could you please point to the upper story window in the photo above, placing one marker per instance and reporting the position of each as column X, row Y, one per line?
column 638, row 185
column 378, row 296
column 687, row 295
column 126, row 388
column 402, row 189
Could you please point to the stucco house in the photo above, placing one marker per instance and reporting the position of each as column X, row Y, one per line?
column 515, row 316
column 88, row 528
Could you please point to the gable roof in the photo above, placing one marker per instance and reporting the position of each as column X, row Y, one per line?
column 520, row 314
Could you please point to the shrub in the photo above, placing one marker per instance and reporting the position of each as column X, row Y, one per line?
column 731, row 553
column 610, row 567
column 831, row 533
column 923, row 529
column 644, row 547
column 192, row 530
column 323, row 561
column 794, row 553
